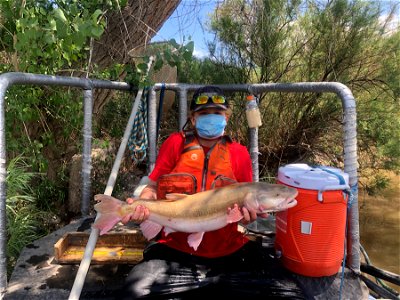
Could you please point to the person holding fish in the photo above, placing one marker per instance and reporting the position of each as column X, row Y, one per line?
column 200, row 158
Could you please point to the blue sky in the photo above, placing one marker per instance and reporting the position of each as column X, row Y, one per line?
column 188, row 23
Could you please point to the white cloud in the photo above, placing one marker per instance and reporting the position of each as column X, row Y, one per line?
column 200, row 53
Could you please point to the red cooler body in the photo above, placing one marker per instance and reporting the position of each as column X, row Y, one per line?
column 311, row 235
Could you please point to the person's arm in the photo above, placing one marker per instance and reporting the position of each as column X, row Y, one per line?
column 149, row 191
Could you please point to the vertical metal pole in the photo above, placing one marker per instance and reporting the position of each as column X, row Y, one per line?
column 183, row 110
column 350, row 167
column 253, row 149
column 94, row 234
column 87, row 150
column 253, row 145
column 3, row 197
column 152, row 128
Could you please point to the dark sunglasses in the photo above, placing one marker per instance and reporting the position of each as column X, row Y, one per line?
column 203, row 99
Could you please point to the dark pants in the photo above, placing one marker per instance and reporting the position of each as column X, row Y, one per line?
column 250, row 272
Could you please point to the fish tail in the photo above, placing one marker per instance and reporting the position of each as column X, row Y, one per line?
column 108, row 213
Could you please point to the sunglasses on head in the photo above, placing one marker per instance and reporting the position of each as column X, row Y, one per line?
column 203, row 99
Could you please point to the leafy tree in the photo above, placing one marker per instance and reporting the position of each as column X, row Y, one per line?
column 69, row 37
column 47, row 37
column 207, row 71
column 293, row 41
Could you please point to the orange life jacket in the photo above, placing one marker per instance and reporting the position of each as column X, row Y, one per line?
column 197, row 171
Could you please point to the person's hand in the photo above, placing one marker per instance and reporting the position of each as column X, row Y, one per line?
column 140, row 214
column 249, row 215
column 149, row 192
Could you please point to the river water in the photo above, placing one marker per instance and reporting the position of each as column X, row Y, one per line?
column 380, row 227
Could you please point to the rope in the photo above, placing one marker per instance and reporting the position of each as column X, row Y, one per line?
column 138, row 141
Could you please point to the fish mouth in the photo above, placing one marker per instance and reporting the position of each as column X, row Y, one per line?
column 288, row 203
column 283, row 205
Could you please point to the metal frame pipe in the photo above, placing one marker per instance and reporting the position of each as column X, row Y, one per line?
column 15, row 78
column 253, row 150
column 183, row 110
column 349, row 140
column 349, row 147
column 152, row 128
column 87, row 150
column 94, row 233
column 349, row 132
column 91, row 244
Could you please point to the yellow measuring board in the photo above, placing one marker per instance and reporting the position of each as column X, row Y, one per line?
column 110, row 248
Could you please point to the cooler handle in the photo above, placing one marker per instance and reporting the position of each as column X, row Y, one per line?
column 332, row 188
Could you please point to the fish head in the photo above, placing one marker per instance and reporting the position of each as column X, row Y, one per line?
column 271, row 197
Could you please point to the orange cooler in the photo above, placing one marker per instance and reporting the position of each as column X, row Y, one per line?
column 310, row 236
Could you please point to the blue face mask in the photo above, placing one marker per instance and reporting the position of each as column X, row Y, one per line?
column 210, row 126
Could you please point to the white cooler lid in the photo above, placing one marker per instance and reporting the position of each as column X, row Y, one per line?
column 311, row 178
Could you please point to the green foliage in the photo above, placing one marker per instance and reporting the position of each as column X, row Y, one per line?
column 344, row 45
column 256, row 39
column 56, row 33
column 379, row 129
column 22, row 221
column 50, row 195
column 114, row 117
column 163, row 53
column 31, row 207
column 117, row 111
column 40, row 118
column 300, row 41
column 390, row 73
column 378, row 183
column 47, row 38
column 208, row 71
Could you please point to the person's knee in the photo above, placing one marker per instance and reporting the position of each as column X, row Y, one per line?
column 143, row 276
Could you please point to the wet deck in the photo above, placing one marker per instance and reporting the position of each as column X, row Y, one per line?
column 38, row 276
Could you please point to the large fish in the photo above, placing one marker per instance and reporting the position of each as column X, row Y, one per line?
column 197, row 213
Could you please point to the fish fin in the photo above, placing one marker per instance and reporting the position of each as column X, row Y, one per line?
column 106, row 221
column 150, row 229
column 168, row 230
column 234, row 215
column 108, row 210
column 175, row 196
column 194, row 239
